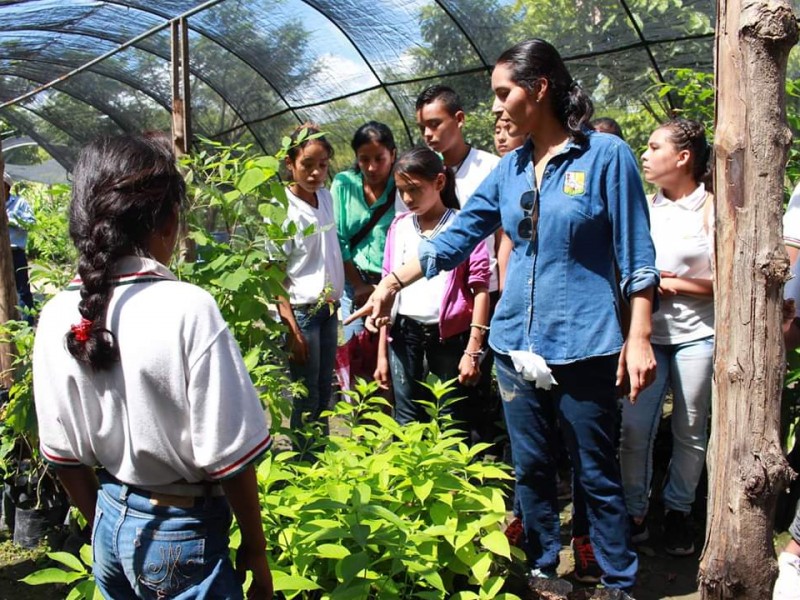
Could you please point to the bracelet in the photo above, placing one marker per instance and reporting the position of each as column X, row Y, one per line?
column 397, row 279
column 479, row 326
column 474, row 357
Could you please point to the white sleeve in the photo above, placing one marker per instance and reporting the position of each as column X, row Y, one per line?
column 228, row 425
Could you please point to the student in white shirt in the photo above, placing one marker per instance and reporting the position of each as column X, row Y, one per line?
column 677, row 159
column 314, row 277
column 440, row 118
column 136, row 374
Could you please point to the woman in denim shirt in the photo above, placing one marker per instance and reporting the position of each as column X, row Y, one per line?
column 579, row 220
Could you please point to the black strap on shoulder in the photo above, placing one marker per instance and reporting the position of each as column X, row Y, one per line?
column 373, row 220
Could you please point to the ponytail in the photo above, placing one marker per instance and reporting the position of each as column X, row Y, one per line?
column 449, row 196
column 535, row 59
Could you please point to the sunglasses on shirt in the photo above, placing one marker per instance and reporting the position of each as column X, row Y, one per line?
column 529, row 225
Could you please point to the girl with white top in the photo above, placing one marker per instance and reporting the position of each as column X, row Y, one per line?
column 677, row 160
column 314, row 276
column 442, row 320
column 136, row 374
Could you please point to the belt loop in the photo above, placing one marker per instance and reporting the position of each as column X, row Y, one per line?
column 124, row 490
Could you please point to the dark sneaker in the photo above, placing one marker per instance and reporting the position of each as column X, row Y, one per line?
column 639, row 531
column 514, row 532
column 548, row 586
column 678, row 534
column 586, row 568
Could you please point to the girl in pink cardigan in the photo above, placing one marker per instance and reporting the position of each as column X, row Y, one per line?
column 438, row 323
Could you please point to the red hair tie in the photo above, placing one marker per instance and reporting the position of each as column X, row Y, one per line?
column 82, row 330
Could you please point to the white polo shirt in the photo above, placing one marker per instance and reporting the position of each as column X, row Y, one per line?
column 682, row 232
column 179, row 404
column 315, row 266
column 469, row 175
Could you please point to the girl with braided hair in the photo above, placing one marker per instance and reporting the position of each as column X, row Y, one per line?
column 145, row 408
column 677, row 160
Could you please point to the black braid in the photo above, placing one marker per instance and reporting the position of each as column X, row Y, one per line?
column 125, row 189
column 95, row 267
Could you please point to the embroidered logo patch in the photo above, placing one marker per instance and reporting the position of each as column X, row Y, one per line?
column 574, row 183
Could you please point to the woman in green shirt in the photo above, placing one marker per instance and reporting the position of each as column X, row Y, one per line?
column 364, row 207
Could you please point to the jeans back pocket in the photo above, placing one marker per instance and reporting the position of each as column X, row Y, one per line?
column 169, row 562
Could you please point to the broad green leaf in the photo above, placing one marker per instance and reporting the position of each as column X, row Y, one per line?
column 491, row 587
column 481, row 567
column 233, row 281
column 334, row 551
column 422, row 490
column 281, row 582
column 51, row 576
column 339, row 492
column 68, row 560
column 435, row 580
column 497, row 542
column 251, row 179
column 351, row 566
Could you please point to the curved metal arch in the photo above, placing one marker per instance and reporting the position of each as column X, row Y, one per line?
column 102, row 109
column 204, row 32
column 156, row 54
column 381, row 83
column 384, row 86
column 63, row 160
column 124, row 82
column 463, row 31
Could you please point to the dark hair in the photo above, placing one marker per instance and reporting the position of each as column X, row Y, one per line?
column 686, row 134
column 125, row 189
column 372, row 131
column 536, row 59
column 427, row 164
column 444, row 94
column 305, row 139
column 608, row 125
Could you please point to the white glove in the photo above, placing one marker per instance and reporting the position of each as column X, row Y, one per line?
column 532, row 368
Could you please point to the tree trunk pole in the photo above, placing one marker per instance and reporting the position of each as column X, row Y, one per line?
column 747, row 468
column 8, row 286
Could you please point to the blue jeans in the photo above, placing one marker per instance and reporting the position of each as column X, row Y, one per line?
column 320, row 327
column 685, row 369
column 348, row 308
column 583, row 404
column 414, row 345
column 148, row 552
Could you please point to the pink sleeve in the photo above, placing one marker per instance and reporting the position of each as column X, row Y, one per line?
column 479, row 273
column 388, row 250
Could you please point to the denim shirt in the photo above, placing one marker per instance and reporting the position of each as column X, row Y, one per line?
column 560, row 298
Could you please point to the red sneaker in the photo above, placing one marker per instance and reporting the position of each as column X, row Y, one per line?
column 586, row 568
column 514, row 532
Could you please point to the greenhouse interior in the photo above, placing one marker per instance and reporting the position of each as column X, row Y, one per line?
column 74, row 70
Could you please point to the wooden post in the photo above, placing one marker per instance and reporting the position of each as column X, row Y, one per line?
column 182, row 117
column 747, row 468
column 8, row 286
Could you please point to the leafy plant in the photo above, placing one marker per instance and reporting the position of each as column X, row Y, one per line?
column 77, row 571
column 388, row 511
column 237, row 218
